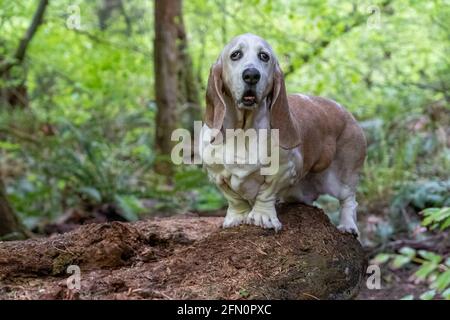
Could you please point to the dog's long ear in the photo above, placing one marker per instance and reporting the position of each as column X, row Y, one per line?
column 215, row 104
column 281, row 117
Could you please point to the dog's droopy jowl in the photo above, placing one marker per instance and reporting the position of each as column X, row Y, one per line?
column 321, row 146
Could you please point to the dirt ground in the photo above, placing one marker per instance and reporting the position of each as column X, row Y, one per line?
column 395, row 284
column 188, row 257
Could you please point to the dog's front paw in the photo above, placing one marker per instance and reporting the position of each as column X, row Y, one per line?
column 233, row 219
column 264, row 220
column 349, row 228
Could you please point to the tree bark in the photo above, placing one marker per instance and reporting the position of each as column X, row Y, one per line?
column 10, row 225
column 176, row 87
column 167, row 18
column 31, row 31
column 188, row 257
column 188, row 94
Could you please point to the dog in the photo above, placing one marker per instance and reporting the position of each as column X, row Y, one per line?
column 322, row 148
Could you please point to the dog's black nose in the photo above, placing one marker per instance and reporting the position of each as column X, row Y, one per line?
column 251, row 76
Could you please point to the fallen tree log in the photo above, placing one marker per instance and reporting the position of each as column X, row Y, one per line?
column 189, row 258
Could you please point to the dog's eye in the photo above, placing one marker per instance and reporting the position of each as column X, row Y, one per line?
column 263, row 56
column 236, row 55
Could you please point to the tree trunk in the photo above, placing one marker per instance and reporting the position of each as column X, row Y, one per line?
column 188, row 94
column 10, row 226
column 188, row 257
column 167, row 19
column 13, row 95
column 176, row 88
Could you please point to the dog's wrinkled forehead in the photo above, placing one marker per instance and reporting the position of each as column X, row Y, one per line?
column 247, row 42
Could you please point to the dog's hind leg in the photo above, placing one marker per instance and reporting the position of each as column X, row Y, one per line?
column 341, row 184
column 302, row 192
column 342, row 177
column 347, row 222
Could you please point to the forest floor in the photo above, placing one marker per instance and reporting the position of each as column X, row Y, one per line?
column 117, row 258
column 395, row 284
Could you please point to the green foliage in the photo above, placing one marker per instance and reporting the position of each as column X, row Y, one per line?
column 403, row 168
column 90, row 165
column 433, row 268
column 130, row 206
column 77, row 167
column 204, row 197
column 243, row 293
column 437, row 217
column 421, row 195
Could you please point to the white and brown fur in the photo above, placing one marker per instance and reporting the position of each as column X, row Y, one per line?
column 322, row 147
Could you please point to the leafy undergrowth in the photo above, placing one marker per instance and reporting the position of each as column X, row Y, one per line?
column 432, row 267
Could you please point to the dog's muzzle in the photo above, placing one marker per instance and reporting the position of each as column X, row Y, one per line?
column 251, row 77
column 249, row 98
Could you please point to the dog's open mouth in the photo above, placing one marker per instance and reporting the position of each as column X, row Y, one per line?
column 249, row 98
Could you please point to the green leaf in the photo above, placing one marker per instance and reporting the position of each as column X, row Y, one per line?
column 382, row 258
column 399, row 261
column 407, row 251
column 442, row 281
column 428, row 295
column 427, row 221
column 190, row 179
column 92, row 193
column 430, row 256
column 430, row 211
column 445, row 224
column 131, row 207
column 8, row 146
column 425, row 269
column 408, row 297
column 446, row 294
column 437, row 217
column 443, row 214
column 244, row 293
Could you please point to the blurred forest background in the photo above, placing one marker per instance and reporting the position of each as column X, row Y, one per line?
column 91, row 90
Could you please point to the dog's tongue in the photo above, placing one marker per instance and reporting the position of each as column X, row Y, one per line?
column 249, row 98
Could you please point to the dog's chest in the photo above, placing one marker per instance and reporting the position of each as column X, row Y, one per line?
column 231, row 171
column 244, row 180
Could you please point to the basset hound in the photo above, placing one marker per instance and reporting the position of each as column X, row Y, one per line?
column 321, row 148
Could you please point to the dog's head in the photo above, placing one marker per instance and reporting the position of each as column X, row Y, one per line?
column 248, row 72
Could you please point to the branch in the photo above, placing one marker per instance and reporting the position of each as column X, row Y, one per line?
column 437, row 242
column 19, row 134
column 37, row 20
column 126, row 18
column 112, row 44
column 25, row 41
